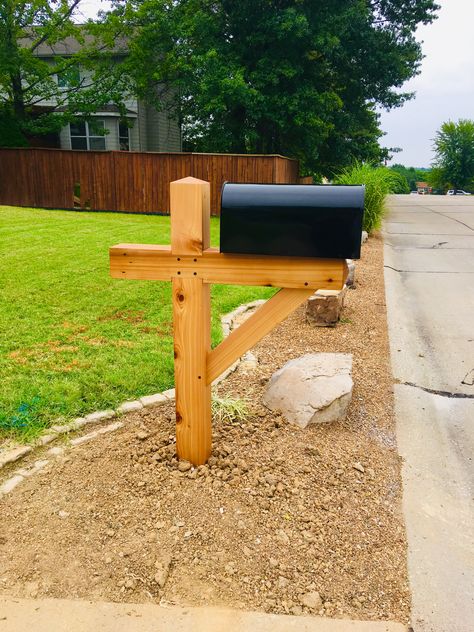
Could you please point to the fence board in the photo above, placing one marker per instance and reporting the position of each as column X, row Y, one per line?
column 125, row 181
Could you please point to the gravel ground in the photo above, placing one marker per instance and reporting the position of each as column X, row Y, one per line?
column 281, row 519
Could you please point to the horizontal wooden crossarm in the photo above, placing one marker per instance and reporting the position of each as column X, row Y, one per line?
column 254, row 329
column 158, row 263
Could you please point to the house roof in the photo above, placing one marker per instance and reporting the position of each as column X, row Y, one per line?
column 71, row 45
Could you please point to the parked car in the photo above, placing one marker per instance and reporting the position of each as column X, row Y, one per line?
column 457, row 192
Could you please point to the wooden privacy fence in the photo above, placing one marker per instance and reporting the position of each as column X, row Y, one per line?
column 125, row 181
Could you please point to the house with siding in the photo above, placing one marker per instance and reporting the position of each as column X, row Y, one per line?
column 144, row 128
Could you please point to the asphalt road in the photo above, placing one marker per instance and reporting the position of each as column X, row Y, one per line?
column 429, row 276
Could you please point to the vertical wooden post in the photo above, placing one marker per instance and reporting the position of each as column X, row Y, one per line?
column 190, row 234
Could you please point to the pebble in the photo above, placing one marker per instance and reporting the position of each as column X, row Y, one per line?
column 282, row 536
column 359, row 467
column 142, row 435
column 312, row 600
column 283, row 582
column 184, row 466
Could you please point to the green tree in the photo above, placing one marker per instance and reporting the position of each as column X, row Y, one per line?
column 39, row 94
column 299, row 78
column 412, row 175
column 454, row 147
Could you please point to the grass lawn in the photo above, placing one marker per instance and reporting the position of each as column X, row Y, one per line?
column 73, row 340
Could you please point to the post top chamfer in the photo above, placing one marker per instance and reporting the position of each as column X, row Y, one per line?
column 189, row 180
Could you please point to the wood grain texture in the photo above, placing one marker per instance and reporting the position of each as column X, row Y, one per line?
column 190, row 216
column 254, row 329
column 150, row 262
column 192, row 324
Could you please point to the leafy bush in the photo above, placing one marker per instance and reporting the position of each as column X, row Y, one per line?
column 379, row 181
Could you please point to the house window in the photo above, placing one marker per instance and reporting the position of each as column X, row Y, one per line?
column 69, row 77
column 124, row 137
column 88, row 135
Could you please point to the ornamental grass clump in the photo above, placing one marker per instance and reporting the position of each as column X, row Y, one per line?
column 379, row 182
column 229, row 410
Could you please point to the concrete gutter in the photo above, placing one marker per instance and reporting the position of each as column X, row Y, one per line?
column 429, row 281
column 64, row 615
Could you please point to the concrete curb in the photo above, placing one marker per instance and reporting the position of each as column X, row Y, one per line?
column 63, row 615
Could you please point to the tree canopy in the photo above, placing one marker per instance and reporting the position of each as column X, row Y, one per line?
column 454, row 147
column 411, row 175
column 274, row 76
column 39, row 92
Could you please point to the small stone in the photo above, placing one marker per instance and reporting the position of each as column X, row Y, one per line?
column 187, row 534
column 11, row 483
column 153, row 400
column 13, row 455
column 282, row 536
column 350, row 281
column 163, row 568
column 273, row 562
column 271, row 479
column 283, row 582
column 108, row 560
column 46, row 438
column 128, row 407
column 364, row 236
column 110, row 533
column 230, row 569
column 296, row 610
column 160, row 525
column 56, row 451
column 100, row 415
column 130, row 584
column 312, row 600
column 359, row 467
column 184, row 466
column 246, row 551
column 77, row 424
column 324, row 308
column 63, row 514
column 142, row 435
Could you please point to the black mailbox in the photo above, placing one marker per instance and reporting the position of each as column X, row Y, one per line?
column 301, row 220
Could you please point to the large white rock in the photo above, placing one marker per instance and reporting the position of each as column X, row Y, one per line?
column 315, row 388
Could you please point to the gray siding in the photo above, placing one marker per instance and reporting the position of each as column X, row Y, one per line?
column 162, row 132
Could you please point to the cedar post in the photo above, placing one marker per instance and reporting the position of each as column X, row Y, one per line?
column 190, row 235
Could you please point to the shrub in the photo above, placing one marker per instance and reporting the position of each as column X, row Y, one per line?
column 379, row 181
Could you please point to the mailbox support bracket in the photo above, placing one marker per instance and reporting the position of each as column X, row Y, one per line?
column 192, row 266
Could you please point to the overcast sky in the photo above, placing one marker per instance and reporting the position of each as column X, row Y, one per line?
column 444, row 89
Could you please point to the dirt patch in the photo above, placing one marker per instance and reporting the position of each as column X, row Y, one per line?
column 277, row 513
